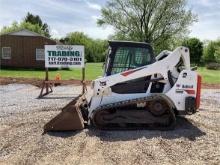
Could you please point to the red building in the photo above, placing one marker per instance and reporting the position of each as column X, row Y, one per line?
column 23, row 49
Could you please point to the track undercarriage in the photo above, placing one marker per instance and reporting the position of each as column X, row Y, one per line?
column 153, row 112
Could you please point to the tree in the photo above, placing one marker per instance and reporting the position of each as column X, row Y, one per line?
column 217, row 54
column 195, row 48
column 79, row 38
column 35, row 19
column 209, row 52
column 23, row 25
column 212, row 52
column 30, row 22
column 153, row 21
column 94, row 49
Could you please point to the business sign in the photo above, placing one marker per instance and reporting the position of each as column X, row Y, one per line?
column 65, row 56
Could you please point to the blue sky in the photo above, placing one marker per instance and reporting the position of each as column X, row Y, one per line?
column 65, row 16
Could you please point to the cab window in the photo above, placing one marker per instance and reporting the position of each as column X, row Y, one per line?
column 129, row 58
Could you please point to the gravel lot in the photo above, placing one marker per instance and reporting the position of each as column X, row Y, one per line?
column 196, row 139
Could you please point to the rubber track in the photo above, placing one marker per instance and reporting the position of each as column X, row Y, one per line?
column 134, row 101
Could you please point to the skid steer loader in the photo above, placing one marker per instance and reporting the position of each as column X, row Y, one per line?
column 136, row 91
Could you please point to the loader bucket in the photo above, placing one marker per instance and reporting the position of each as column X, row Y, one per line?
column 69, row 119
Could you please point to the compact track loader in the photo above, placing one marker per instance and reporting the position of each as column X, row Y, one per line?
column 136, row 91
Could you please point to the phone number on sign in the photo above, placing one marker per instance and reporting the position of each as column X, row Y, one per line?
column 64, row 59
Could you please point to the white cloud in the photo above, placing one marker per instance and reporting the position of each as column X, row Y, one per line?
column 206, row 2
column 205, row 30
column 81, row 15
column 95, row 17
column 93, row 5
column 98, row 32
column 208, row 23
column 92, row 31
column 55, row 33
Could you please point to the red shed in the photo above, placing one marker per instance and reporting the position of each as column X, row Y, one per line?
column 23, row 49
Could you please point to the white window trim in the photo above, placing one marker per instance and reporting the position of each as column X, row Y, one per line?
column 6, row 58
column 38, row 59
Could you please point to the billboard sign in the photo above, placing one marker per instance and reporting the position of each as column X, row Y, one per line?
column 64, row 56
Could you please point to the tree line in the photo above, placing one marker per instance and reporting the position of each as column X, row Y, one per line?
column 95, row 49
column 162, row 23
column 203, row 52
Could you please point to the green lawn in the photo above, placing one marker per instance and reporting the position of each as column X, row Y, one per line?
column 93, row 70
column 209, row 76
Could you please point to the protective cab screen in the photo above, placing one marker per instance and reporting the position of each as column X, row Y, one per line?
column 129, row 58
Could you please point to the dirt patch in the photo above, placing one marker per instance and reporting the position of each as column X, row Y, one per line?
column 210, row 86
column 10, row 80
column 36, row 82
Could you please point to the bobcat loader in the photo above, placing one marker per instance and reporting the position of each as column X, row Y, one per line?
column 136, row 91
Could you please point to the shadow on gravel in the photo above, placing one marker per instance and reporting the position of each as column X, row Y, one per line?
column 57, row 97
column 63, row 134
column 184, row 128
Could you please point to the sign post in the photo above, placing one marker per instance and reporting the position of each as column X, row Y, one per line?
column 62, row 56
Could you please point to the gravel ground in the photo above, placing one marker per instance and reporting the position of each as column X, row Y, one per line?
column 196, row 139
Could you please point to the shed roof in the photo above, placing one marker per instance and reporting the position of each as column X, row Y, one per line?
column 26, row 32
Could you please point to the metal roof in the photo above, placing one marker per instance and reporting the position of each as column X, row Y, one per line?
column 26, row 32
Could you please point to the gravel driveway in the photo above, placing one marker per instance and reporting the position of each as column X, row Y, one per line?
column 196, row 139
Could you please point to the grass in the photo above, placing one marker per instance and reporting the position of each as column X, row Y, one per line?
column 93, row 70
column 209, row 76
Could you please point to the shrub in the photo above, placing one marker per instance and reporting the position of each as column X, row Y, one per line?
column 212, row 52
column 213, row 66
